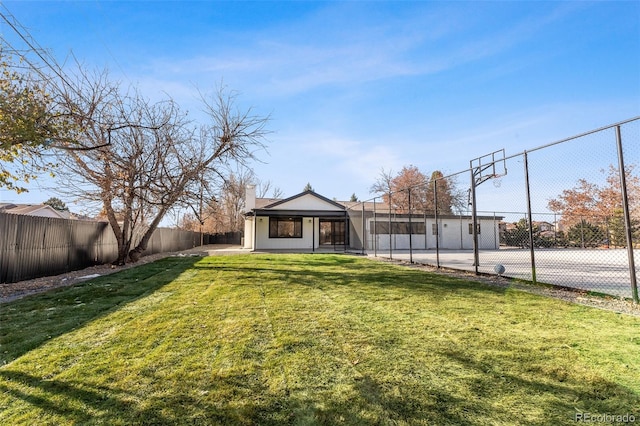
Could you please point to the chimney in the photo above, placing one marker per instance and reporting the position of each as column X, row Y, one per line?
column 250, row 198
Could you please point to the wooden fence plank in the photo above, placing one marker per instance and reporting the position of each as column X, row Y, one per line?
column 32, row 247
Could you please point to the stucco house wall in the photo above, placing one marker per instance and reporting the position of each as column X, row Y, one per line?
column 308, row 241
column 307, row 206
column 453, row 234
column 312, row 208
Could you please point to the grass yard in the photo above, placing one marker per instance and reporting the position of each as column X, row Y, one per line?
column 309, row 339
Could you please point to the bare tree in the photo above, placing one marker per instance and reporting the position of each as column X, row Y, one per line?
column 151, row 156
column 233, row 200
column 263, row 189
column 383, row 185
column 223, row 211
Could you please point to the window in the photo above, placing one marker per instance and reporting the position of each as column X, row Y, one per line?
column 381, row 227
column 285, row 227
column 471, row 228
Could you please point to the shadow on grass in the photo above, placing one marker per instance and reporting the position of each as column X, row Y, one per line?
column 244, row 398
column 373, row 402
column 555, row 389
column 28, row 323
column 378, row 402
column 79, row 403
column 320, row 271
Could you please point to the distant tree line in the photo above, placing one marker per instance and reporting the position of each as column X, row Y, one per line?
column 582, row 234
column 590, row 215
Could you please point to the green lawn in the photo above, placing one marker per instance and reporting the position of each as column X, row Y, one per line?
column 309, row 339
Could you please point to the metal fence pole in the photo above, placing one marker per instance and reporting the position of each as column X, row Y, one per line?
column 345, row 234
column 410, row 228
column 424, row 212
column 435, row 214
column 627, row 218
column 390, row 236
column 474, row 219
column 555, row 230
column 530, row 220
column 495, row 232
column 364, row 230
column 375, row 230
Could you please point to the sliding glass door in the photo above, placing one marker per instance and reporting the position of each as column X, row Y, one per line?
column 332, row 231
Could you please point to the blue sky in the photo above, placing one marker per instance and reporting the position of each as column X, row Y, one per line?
column 355, row 86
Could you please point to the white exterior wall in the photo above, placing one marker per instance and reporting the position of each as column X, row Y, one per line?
column 263, row 242
column 454, row 235
column 305, row 202
column 489, row 237
column 248, row 232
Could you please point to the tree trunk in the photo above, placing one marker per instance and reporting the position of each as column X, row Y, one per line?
column 123, row 242
column 122, row 255
column 136, row 253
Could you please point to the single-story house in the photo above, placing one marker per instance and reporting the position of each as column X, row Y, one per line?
column 310, row 222
column 41, row 210
column 307, row 221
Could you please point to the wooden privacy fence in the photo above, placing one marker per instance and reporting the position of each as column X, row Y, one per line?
column 234, row 238
column 32, row 247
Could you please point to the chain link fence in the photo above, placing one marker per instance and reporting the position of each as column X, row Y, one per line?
column 565, row 214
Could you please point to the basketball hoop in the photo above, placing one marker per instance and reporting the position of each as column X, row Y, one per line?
column 491, row 166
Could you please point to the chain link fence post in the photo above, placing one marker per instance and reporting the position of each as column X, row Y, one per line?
column 435, row 216
column 530, row 218
column 375, row 230
column 410, row 227
column 474, row 220
column 364, row 231
column 627, row 217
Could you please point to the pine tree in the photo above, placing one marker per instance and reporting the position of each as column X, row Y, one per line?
column 57, row 204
